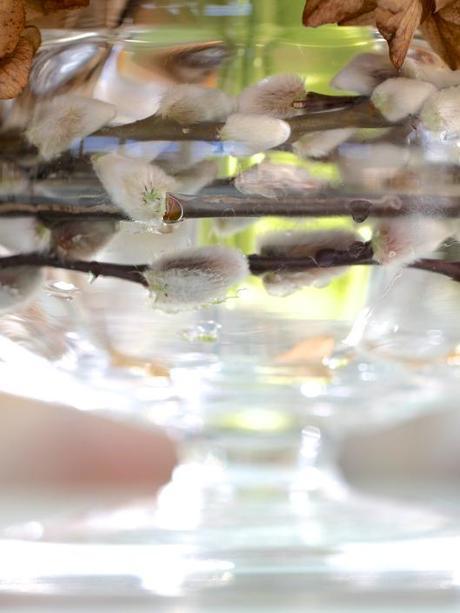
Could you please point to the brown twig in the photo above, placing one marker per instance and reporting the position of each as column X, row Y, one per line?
column 309, row 204
column 127, row 272
column 360, row 113
column 359, row 255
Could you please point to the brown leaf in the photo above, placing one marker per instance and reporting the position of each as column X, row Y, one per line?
column 12, row 21
column 51, row 6
column 365, row 19
column 397, row 21
column 444, row 37
column 15, row 69
column 450, row 13
column 440, row 4
column 34, row 9
column 33, row 36
column 39, row 8
column 319, row 12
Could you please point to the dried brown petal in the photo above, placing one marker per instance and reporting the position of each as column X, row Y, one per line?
column 440, row 4
column 38, row 8
column 34, row 9
column 319, row 12
column 33, row 36
column 12, row 21
column 50, row 6
column 444, row 37
column 397, row 22
column 15, row 69
column 451, row 13
column 365, row 19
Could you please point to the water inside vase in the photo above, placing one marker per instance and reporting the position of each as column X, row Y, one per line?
column 104, row 336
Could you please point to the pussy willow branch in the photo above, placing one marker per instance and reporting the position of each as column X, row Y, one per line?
column 359, row 255
column 360, row 113
column 320, row 112
column 314, row 204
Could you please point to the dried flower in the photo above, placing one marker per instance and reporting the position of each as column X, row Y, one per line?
column 273, row 96
column 441, row 28
column 39, row 8
column 188, row 104
column 12, row 22
column 15, row 69
column 273, row 180
column 397, row 21
column 363, row 73
column 57, row 123
column 255, row 132
column 18, row 285
column 50, row 6
column 321, row 144
column 401, row 241
column 440, row 114
column 192, row 180
column 138, row 187
column 398, row 98
column 299, row 244
column 195, row 277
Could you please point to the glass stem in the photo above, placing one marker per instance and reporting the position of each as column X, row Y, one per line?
column 235, row 469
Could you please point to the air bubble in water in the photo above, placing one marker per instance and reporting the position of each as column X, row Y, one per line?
column 203, row 332
column 62, row 290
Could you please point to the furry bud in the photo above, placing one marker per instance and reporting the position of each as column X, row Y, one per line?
column 273, row 96
column 195, row 277
column 57, row 123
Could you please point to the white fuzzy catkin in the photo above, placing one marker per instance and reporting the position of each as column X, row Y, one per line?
column 320, row 144
column 273, row 180
column 404, row 240
column 426, row 65
column 81, row 239
column 440, row 114
column 298, row 244
column 370, row 165
column 13, row 180
column 18, row 285
column 23, row 235
column 273, row 96
column 192, row 180
column 256, row 132
column 189, row 104
column 398, row 98
column 195, row 277
column 228, row 226
column 137, row 187
column 57, row 123
column 363, row 73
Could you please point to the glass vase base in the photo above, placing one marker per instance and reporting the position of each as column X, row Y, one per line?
column 330, row 548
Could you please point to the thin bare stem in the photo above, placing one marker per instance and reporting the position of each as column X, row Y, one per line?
column 360, row 254
column 315, row 102
column 127, row 272
column 314, row 204
column 309, row 204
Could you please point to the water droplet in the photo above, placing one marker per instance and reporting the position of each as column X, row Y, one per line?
column 360, row 210
column 62, row 290
column 203, row 332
